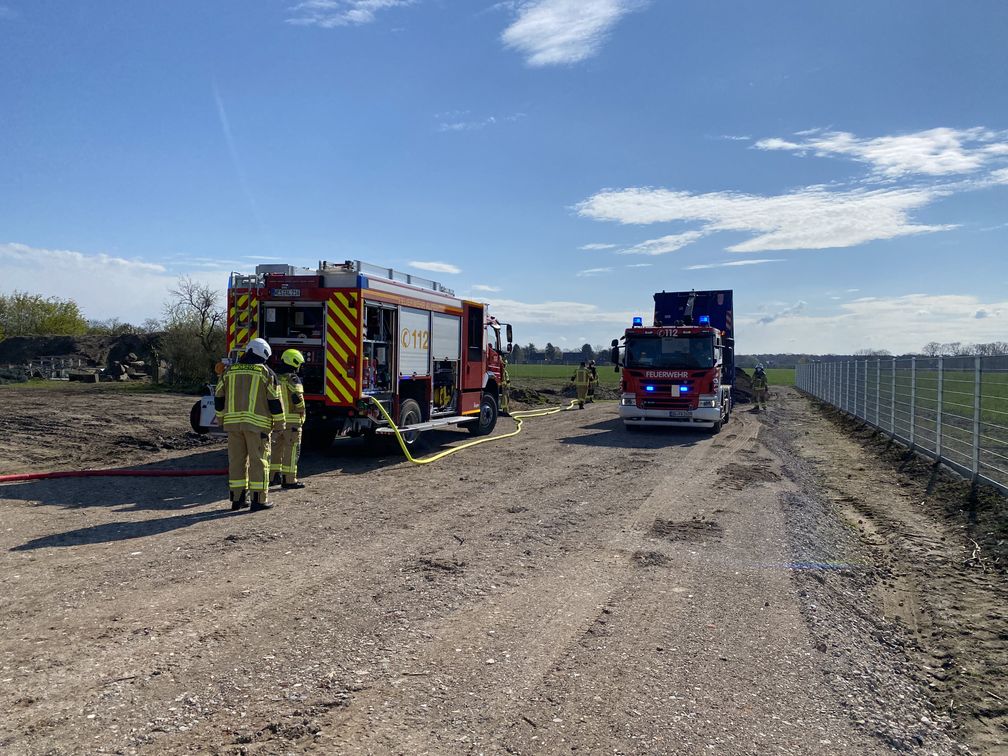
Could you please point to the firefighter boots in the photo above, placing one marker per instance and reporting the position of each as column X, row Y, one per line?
column 239, row 500
column 291, row 484
column 259, row 502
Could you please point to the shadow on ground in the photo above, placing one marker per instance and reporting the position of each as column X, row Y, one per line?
column 613, row 433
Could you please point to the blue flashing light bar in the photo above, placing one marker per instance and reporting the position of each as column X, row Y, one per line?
column 705, row 320
column 649, row 388
column 638, row 321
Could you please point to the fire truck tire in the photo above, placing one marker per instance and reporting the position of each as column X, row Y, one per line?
column 716, row 428
column 409, row 414
column 194, row 419
column 487, row 417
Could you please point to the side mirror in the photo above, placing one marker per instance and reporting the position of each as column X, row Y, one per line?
column 510, row 347
column 614, row 356
column 614, row 344
column 510, row 336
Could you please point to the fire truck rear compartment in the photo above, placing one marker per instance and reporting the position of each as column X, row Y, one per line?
column 297, row 325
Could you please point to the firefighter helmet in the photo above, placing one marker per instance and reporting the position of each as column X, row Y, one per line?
column 260, row 348
column 292, row 357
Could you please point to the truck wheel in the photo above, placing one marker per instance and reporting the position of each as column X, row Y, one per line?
column 716, row 428
column 409, row 414
column 487, row 417
column 195, row 415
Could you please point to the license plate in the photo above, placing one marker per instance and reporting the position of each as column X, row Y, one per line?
column 678, row 413
column 675, row 389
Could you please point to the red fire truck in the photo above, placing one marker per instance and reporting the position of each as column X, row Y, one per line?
column 430, row 358
column 679, row 371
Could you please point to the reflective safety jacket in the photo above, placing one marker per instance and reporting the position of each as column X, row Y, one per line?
column 580, row 376
column 248, row 399
column 759, row 382
column 292, row 396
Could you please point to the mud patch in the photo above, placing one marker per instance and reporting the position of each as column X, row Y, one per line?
column 650, row 559
column 738, row 476
column 695, row 530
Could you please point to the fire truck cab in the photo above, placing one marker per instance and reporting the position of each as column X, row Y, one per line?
column 369, row 333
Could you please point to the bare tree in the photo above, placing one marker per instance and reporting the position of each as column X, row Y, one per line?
column 931, row 349
column 197, row 306
column 194, row 331
column 873, row 353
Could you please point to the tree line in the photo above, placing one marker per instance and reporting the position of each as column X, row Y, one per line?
column 190, row 333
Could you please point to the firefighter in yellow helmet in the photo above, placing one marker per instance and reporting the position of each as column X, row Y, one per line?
column 581, row 379
column 287, row 441
column 248, row 402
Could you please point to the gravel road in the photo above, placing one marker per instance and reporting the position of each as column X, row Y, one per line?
column 574, row 589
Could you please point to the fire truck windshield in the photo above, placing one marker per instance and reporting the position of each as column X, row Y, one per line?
column 670, row 352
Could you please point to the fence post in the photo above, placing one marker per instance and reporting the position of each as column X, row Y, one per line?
column 864, row 405
column 892, row 402
column 878, row 389
column 976, row 418
column 913, row 399
column 938, row 417
column 847, row 399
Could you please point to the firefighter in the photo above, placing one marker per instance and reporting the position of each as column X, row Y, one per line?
column 580, row 379
column 249, row 404
column 592, row 380
column 286, row 442
column 760, row 388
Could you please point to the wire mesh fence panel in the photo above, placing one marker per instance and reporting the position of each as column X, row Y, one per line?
column 993, row 421
column 926, row 404
column 902, row 400
column 954, row 409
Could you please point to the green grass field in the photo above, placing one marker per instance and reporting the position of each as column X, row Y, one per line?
column 609, row 377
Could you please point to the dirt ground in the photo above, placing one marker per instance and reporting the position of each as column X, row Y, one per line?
column 782, row 587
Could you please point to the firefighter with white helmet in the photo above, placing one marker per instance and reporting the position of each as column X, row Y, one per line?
column 760, row 388
column 287, row 441
column 249, row 404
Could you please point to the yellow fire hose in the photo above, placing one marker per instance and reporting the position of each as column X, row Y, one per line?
column 518, row 418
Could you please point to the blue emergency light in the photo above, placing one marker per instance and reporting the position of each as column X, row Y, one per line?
column 649, row 388
column 683, row 389
column 638, row 321
column 705, row 320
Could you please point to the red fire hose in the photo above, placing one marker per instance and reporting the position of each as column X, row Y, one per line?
column 109, row 474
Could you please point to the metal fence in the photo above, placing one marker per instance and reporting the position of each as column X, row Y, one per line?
column 952, row 409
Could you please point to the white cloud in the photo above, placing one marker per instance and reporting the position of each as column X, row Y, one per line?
column 329, row 14
column 455, row 125
column 593, row 272
column 484, row 287
column 733, row 264
column 900, row 324
column 557, row 32
column 591, row 247
column 662, row 246
column 103, row 286
column 935, row 152
column 436, row 267
column 555, row 313
column 795, row 309
column 809, row 218
column 640, row 265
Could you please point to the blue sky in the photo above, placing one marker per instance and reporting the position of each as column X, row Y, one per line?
column 843, row 166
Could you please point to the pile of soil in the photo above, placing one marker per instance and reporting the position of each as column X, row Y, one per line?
column 97, row 351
